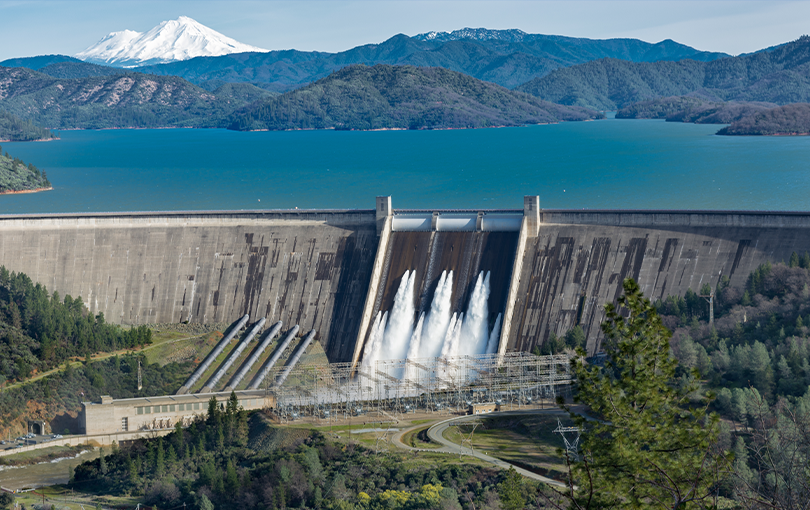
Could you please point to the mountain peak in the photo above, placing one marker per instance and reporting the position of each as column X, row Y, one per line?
column 477, row 34
column 169, row 41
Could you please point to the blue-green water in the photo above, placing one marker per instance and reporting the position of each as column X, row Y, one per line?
column 603, row 164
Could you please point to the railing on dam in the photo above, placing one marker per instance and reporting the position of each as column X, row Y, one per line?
column 446, row 221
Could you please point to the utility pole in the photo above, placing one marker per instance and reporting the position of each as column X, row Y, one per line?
column 140, row 378
column 710, row 298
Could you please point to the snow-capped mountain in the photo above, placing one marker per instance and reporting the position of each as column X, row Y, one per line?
column 170, row 41
column 476, row 34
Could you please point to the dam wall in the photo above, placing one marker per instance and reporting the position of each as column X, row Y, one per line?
column 334, row 271
column 579, row 259
column 302, row 267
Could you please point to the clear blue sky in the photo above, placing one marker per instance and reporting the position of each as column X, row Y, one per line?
column 68, row 26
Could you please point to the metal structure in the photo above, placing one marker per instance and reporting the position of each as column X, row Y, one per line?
column 571, row 447
column 212, row 356
column 513, row 380
column 212, row 383
column 267, row 339
column 271, row 362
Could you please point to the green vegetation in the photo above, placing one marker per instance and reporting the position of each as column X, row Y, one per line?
column 401, row 97
column 646, row 444
column 526, row 441
column 691, row 109
column 15, row 175
column 759, row 341
column 58, row 397
column 41, row 331
column 756, row 358
column 15, row 129
column 778, row 76
column 792, row 119
column 224, row 461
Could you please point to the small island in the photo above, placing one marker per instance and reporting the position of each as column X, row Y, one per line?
column 17, row 177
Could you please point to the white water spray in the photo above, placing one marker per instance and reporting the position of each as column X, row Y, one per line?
column 400, row 322
column 437, row 333
column 474, row 333
column 438, row 319
column 375, row 340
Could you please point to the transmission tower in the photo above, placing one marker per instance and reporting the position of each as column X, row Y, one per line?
column 572, row 446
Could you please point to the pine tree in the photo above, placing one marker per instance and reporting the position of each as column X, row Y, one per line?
column 511, row 491
column 647, row 446
column 794, row 260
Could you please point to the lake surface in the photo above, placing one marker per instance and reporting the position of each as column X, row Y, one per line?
column 643, row 164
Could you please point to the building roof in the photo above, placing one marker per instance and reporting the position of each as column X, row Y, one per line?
column 183, row 399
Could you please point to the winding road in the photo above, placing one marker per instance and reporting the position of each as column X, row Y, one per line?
column 436, row 434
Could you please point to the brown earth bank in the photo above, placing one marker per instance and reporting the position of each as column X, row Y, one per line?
column 16, row 192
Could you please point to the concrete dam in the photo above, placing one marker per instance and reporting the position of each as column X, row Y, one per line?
column 512, row 275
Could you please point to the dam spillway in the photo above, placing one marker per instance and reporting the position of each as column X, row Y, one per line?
column 334, row 271
column 452, row 263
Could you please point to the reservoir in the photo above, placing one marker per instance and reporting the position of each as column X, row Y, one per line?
column 615, row 164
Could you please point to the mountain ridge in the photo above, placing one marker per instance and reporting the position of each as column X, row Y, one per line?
column 505, row 63
column 779, row 76
column 117, row 101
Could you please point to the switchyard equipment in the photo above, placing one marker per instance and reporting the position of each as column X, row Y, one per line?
column 512, row 380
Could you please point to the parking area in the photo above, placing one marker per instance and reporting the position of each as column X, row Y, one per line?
column 27, row 439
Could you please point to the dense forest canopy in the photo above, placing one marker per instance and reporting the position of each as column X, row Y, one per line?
column 692, row 109
column 403, row 97
column 15, row 129
column 792, row 119
column 39, row 331
column 15, row 175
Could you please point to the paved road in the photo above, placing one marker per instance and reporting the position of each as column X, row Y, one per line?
column 436, row 433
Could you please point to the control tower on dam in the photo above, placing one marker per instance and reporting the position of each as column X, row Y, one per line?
column 393, row 283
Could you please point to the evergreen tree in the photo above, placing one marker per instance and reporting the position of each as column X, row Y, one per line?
column 647, row 446
column 511, row 491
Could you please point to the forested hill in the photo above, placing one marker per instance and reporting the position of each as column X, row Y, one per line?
column 40, row 331
column 127, row 100
column 15, row 129
column 401, row 97
column 692, row 109
column 15, row 175
column 793, row 119
column 779, row 76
